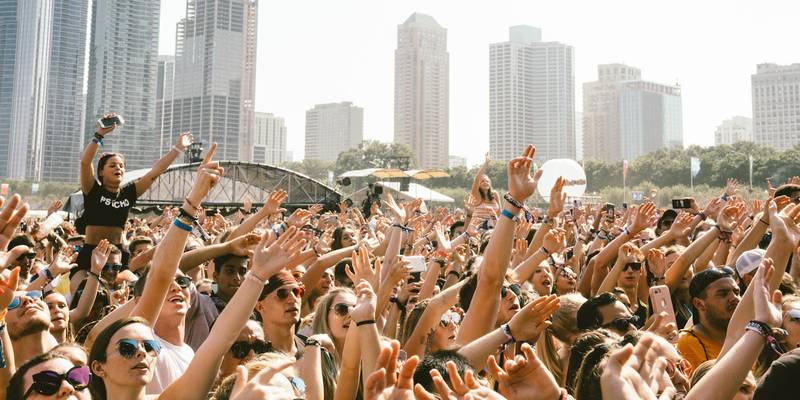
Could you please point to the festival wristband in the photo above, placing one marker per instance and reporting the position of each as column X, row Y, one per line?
column 181, row 225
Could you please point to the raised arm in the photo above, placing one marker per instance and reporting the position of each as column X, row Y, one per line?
column 239, row 247
column 640, row 220
column 476, row 183
column 202, row 371
column 482, row 315
column 184, row 140
column 363, row 315
column 628, row 253
column 271, row 206
column 723, row 381
column 6, row 295
column 99, row 257
column 87, row 169
column 168, row 252
column 415, row 344
column 554, row 241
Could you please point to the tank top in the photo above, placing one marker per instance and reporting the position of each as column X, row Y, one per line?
column 103, row 208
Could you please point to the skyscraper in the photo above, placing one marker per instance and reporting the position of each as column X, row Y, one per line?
column 422, row 91
column 8, row 56
column 122, row 71
column 733, row 130
column 531, row 96
column 34, row 22
column 270, row 140
column 165, row 93
column 214, row 83
column 776, row 105
column 64, row 130
column 333, row 128
column 625, row 117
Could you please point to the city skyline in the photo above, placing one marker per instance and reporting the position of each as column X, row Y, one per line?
column 700, row 45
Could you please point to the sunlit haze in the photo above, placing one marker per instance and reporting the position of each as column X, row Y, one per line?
column 312, row 52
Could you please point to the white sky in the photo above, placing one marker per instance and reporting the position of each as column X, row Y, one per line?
column 318, row 51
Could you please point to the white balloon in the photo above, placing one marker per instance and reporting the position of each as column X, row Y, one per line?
column 575, row 185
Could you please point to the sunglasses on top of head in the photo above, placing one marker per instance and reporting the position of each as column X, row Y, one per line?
column 128, row 347
column 16, row 301
column 47, row 383
column 242, row 348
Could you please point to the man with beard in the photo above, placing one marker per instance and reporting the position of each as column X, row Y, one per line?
column 28, row 324
column 714, row 296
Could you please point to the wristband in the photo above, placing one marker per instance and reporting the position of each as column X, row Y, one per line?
column 181, row 225
column 514, row 202
column 507, row 214
column 702, row 216
column 190, row 204
column 94, row 275
column 458, row 276
column 183, row 213
column 365, row 322
column 545, row 251
column 764, row 330
column 403, row 228
column 626, row 231
column 97, row 141
column 251, row 275
column 313, row 342
column 763, row 222
column 176, row 148
column 724, row 197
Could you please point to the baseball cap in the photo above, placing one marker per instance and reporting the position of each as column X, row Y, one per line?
column 668, row 214
column 705, row 278
column 749, row 261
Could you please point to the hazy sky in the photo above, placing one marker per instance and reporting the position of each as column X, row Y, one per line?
column 320, row 51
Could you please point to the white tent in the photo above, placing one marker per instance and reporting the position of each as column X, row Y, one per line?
column 414, row 191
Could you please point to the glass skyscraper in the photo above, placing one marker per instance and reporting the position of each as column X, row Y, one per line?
column 122, row 76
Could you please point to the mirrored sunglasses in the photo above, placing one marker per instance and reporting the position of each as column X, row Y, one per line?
column 342, row 309
column 450, row 318
column 16, row 301
column 128, row 347
column 47, row 383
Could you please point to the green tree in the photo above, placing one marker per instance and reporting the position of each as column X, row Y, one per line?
column 314, row 169
column 375, row 154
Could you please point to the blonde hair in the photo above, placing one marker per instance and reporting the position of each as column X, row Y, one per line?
column 320, row 323
column 564, row 327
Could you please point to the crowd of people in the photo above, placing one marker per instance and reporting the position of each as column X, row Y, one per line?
column 398, row 299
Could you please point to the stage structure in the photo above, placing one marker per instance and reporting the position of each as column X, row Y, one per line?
column 241, row 179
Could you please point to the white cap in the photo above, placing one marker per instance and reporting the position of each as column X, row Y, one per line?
column 749, row 261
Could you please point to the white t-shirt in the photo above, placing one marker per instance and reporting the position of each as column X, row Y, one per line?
column 172, row 362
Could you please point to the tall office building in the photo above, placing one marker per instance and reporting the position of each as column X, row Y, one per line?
column 29, row 89
column 776, row 105
column 8, row 55
column 625, row 117
column 214, row 81
column 422, row 90
column 165, row 93
column 64, row 129
column 270, row 140
column 122, row 75
column 531, row 96
column 333, row 128
column 733, row 130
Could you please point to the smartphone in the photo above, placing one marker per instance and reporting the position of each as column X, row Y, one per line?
column 417, row 263
column 312, row 229
column 683, row 202
column 111, row 121
column 414, row 278
column 662, row 302
column 609, row 209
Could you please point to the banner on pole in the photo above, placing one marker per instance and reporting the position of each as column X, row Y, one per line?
column 695, row 166
column 624, row 170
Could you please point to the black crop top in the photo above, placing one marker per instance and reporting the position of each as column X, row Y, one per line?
column 103, row 208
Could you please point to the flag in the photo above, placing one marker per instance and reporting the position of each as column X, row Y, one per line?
column 624, row 170
column 695, row 166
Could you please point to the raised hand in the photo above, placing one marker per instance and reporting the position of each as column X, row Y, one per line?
column 274, row 201
column 185, row 140
column 60, row 264
column 7, row 258
column 680, row 227
column 242, row 246
column 208, row 174
column 385, row 383
column 713, row 207
column 299, row 218
column 267, row 261
column 365, row 302
column 728, row 217
column 767, row 307
column 629, row 253
column 54, row 206
column 442, row 241
column 557, row 198
column 100, row 256
column 398, row 213
column 554, row 240
column 635, row 373
column 105, row 131
column 520, row 183
column 656, row 262
column 524, row 378
column 468, row 388
column 730, row 187
column 529, row 322
column 10, row 218
column 259, row 387
column 771, row 190
column 7, row 288
column 361, row 268
column 642, row 218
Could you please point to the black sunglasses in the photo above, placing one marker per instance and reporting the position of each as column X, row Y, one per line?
column 47, row 383
column 636, row 266
column 113, row 267
column 342, row 309
column 513, row 287
column 297, row 291
column 128, row 347
column 242, row 348
column 622, row 324
column 183, row 282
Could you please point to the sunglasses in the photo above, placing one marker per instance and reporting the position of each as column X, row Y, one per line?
column 183, row 282
column 450, row 318
column 634, row 266
column 29, row 256
column 622, row 324
column 342, row 309
column 794, row 314
column 513, row 287
column 242, row 348
column 113, row 267
column 47, row 383
column 565, row 273
column 297, row 291
column 128, row 347
column 15, row 302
